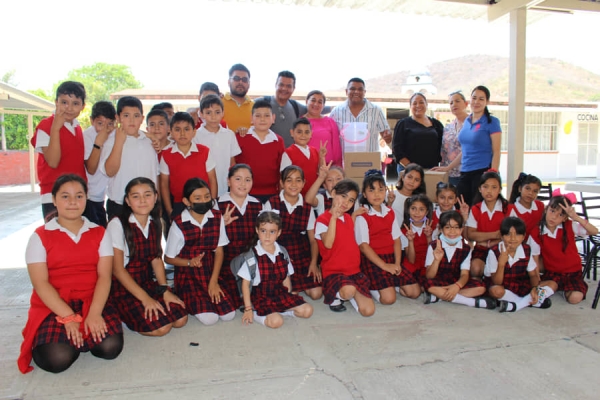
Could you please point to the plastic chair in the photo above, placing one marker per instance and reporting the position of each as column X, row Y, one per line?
column 545, row 193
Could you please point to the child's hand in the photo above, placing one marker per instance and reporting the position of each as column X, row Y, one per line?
column 391, row 196
column 156, row 145
column 336, row 207
column 103, row 133
column 410, row 235
column 248, row 317
column 438, row 253
column 464, row 207
column 427, row 229
column 359, row 211
column 315, row 272
column 569, row 210
column 59, row 115
column 196, row 261
column 393, row 269
column 152, row 308
column 215, row 292
column 227, row 218
column 451, row 292
column 242, row 131
column 96, row 326
column 171, row 298
column 322, row 149
column 324, row 170
column 73, row 333
column 120, row 134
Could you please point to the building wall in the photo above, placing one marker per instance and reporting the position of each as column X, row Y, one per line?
column 14, row 165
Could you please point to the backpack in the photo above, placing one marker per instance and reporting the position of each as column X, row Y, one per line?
column 249, row 258
column 293, row 102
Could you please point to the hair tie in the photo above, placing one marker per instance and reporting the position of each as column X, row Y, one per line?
column 264, row 211
column 373, row 172
column 492, row 170
column 569, row 196
column 522, row 176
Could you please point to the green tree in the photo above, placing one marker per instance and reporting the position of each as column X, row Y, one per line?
column 9, row 77
column 16, row 130
column 102, row 79
column 42, row 93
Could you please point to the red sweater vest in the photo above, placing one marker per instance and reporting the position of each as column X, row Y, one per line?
column 265, row 160
column 484, row 223
column 380, row 232
column 344, row 256
column 181, row 169
column 420, row 244
column 310, row 167
column 555, row 258
column 532, row 219
column 71, row 159
column 72, row 271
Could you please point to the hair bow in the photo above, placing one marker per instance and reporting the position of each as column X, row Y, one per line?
column 264, row 211
column 569, row 196
column 372, row 172
column 522, row 176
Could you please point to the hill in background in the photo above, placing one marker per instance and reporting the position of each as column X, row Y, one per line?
column 548, row 79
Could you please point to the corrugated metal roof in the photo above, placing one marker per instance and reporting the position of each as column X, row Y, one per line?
column 16, row 99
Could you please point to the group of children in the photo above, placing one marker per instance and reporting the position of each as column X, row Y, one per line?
column 294, row 220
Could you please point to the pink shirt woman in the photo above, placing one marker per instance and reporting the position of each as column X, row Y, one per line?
column 324, row 129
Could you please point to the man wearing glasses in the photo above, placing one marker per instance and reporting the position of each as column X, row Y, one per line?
column 357, row 114
column 237, row 106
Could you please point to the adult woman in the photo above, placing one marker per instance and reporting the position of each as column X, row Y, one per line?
column 479, row 139
column 69, row 261
column 324, row 129
column 418, row 138
column 451, row 151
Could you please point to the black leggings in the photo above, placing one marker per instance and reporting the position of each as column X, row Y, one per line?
column 57, row 357
column 469, row 184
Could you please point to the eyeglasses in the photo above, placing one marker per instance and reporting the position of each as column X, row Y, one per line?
column 238, row 79
column 452, row 228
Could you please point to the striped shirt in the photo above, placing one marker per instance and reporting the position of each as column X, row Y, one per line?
column 371, row 114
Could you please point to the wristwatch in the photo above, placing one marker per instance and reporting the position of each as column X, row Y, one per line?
column 161, row 289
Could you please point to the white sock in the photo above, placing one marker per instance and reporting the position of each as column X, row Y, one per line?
column 227, row 317
column 397, row 289
column 467, row 301
column 259, row 319
column 547, row 292
column 434, row 298
column 523, row 302
column 376, row 296
column 510, row 296
column 353, row 302
column 289, row 313
column 336, row 302
column 207, row 318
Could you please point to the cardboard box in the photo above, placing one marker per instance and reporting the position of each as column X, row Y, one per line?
column 432, row 178
column 358, row 180
column 356, row 164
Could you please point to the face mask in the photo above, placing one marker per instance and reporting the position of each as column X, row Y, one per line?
column 423, row 220
column 202, row 208
column 451, row 242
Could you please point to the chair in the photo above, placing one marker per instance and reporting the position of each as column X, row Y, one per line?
column 545, row 193
column 590, row 204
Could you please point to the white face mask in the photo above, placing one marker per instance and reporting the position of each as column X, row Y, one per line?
column 451, row 242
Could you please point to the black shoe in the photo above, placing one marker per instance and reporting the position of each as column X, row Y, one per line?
column 339, row 308
column 547, row 303
column 490, row 303
column 505, row 305
column 428, row 300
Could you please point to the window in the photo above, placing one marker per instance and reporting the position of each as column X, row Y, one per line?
column 541, row 129
column 587, row 144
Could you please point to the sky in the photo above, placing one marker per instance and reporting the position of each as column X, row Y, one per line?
column 181, row 43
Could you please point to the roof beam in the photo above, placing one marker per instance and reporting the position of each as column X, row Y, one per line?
column 503, row 7
column 570, row 5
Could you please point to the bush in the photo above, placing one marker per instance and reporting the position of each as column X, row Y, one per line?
column 15, row 127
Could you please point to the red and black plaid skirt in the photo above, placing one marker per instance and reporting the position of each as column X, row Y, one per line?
column 191, row 285
column 300, row 280
column 333, row 283
column 569, row 282
column 50, row 331
column 131, row 311
column 229, row 286
column 520, row 286
column 274, row 299
column 378, row 278
column 480, row 252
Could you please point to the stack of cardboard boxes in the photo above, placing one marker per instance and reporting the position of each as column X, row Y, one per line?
column 356, row 164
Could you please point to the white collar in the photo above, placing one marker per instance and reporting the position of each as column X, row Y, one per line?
column 289, row 205
column 175, row 149
column 53, row 225
column 249, row 199
column 548, row 232
column 521, row 208
column 304, row 150
column 497, row 207
column 384, row 211
column 187, row 217
column 260, row 251
column 203, row 129
column 271, row 136
column 144, row 229
column 416, row 229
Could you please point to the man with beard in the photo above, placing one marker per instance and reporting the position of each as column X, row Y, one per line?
column 237, row 106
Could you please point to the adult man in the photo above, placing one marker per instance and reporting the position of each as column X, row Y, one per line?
column 237, row 106
column 356, row 112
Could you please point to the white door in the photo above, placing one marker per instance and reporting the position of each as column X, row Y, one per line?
column 587, row 149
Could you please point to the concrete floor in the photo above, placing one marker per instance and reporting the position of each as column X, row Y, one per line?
column 405, row 351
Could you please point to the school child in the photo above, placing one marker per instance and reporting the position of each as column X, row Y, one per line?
column 69, row 264
column 410, row 182
column 298, row 232
column 221, row 141
column 448, row 263
column 262, row 150
column 239, row 211
column 417, row 229
column 182, row 161
column 483, row 224
column 127, row 154
column 301, row 154
column 334, row 231
column 59, row 141
column 378, row 236
column 157, row 124
column 145, row 305
column 510, row 270
column 207, row 89
column 319, row 195
column 523, row 204
column 271, row 296
column 446, row 200
column 166, row 107
column 103, row 122
column 555, row 242
column 195, row 248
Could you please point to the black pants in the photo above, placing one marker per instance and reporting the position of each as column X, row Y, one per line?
column 469, row 184
column 48, row 211
column 113, row 209
column 95, row 212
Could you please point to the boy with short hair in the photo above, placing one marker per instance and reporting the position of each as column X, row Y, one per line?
column 127, row 154
column 103, row 123
column 166, row 107
column 221, row 141
column 59, row 140
column 303, row 155
column 206, row 89
column 157, row 125
column 262, row 150
column 184, row 160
